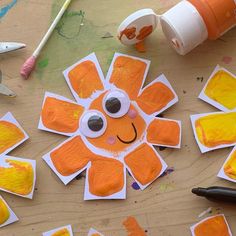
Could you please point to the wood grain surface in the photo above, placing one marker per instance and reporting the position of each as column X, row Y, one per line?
column 167, row 207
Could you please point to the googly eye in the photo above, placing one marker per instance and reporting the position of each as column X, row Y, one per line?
column 93, row 124
column 116, row 103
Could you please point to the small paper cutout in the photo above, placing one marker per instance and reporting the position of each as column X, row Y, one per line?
column 94, row 232
column 214, row 130
column 212, row 226
column 228, row 170
column 62, row 231
column 112, row 124
column 17, row 176
column 220, row 90
column 11, row 134
column 7, row 216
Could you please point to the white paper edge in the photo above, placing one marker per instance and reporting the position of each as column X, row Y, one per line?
column 10, row 118
column 49, row 233
column 41, row 125
column 203, row 148
column 165, row 81
column 207, row 99
column 194, row 226
column 221, row 173
column 119, row 195
column 180, row 137
column 94, row 231
column 92, row 57
column 164, row 167
column 32, row 162
column 12, row 218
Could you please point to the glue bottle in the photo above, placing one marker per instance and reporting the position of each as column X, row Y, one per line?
column 187, row 24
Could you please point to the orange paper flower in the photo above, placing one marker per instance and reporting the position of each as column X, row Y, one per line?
column 117, row 125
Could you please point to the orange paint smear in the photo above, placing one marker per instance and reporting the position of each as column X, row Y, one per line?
column 4, row 212
column 122, row 127
column 230, row 166
column 155, row 97
column 140, row 46
column 128, row 32
column 163, row 132
column 106, row 177
column 128, row 74
column 144, row 32
column 216, row 129
column 18, row 178
column 215, row 226
column 62, row 232
column 96, row 234
column 72, row 156
column 10, row 135
column 132, row 227
column 144, row 164
column 60, row 115
column 84, row 79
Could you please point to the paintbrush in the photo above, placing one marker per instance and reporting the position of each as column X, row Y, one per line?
column 29, row 64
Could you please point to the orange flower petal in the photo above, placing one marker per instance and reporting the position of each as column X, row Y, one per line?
column 155, row 97
column 72, row 156
column 164, row 132
column 144, row 164
column 213, row 226
column 62, row 232
column 4, row 212
column 128, row 74
column 18, row 178
column 10, row 135
column 84, row 79
column 132, row 227
column 60, row 115
column 106, row 177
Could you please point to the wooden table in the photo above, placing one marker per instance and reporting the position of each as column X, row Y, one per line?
column 167, row 207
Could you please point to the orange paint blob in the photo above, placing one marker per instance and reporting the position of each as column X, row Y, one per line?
column 128, row 32
column 154, row 98
column 10, row 135
column 62, row 232
column 144, row 32
column 4, row 212
column 106, row 177
column 128, row 75
column 96, row 234
column 214, row 226
column 144, row 164
column 84, row 79
column 230, row 166
column 121, row 127
column 216, row 129
column 132, row 227
column 163, row 132
column 140, row 47
column 18, row 178
column 60, row 115
column 72, row 156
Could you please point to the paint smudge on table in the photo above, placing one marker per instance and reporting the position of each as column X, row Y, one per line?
column 227, row 59
column 135, row 186
column 168, row 171
column 4, row 10
column 43, row 63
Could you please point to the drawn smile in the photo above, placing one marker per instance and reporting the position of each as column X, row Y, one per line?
column 129, row 141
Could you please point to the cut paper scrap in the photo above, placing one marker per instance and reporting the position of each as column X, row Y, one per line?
column 111, row 126
column 62, row 231
column 7, row 216
column 133, row 228
column 11, row 134
column 220, row 90
column 94, row 232
column 214, row 130
column 17, row 176
column 228, row 170
column 212, row 226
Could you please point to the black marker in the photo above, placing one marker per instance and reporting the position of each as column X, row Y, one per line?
column 217, row 193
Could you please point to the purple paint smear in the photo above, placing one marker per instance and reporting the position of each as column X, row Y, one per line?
column 135, row 186
column 168, row 171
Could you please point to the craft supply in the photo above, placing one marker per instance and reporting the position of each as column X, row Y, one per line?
column 29, row 65
column 186, row 25
column 4, row 90
column 62, row 231
column 10, row 46
column 216, row 193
